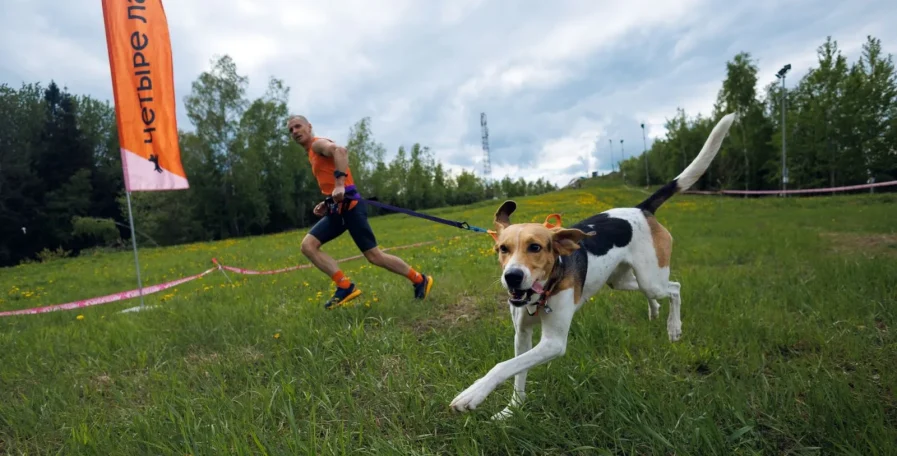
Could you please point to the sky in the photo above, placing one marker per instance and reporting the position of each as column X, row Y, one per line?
column 556, row 80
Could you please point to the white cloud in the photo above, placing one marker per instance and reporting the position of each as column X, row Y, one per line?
column 559, row 43
column 553, row 77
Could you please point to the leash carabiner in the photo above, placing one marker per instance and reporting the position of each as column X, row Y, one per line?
column 467, row 226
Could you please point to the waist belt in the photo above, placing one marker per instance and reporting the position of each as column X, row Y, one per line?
column 338, row 208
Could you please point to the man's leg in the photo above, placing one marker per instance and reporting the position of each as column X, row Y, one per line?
column 311, row 248
column 324, row 231
column 389, row 262
column 364, row 238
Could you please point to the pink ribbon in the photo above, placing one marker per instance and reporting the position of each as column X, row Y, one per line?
column 254, row 272
column 162, row 286
column 105, row 299
column 789, row 192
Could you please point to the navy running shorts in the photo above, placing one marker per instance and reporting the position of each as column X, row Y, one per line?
column 355, row 220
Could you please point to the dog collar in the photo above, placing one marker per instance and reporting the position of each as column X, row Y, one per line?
column 546, row 291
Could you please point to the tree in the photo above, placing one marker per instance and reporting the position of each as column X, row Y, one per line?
column 61, row 183
column 64, row 165
column 879, row 90
column 841, row 126
column 738, row 94
column 21, row 121
column 215, row 107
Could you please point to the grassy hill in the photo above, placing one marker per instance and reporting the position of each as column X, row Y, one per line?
column 788, row 309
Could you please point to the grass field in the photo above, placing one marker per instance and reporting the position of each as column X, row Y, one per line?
column 788, row 346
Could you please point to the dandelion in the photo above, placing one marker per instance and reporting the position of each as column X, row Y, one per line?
column 79, row 317
column 277, row 335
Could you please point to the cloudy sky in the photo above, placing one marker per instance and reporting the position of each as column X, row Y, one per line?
column 553, row 79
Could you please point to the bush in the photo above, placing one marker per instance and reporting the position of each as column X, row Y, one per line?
column 99, row 230
column 46, row 255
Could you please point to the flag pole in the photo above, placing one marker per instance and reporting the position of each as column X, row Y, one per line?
column 142, row 70
column 134, row 244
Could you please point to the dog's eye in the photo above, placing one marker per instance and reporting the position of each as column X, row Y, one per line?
column 535, row 248
column 503, row 249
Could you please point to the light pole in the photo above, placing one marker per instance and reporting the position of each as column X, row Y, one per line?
column 622, row 157
column 595, row 156
column 611, row 142
column 781, row 75
column 645, row 141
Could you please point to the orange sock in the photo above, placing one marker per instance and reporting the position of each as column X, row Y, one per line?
column 414, row 276
column 341, row 280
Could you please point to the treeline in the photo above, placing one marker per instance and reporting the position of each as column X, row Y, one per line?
column 840, row 127
column 62, row 191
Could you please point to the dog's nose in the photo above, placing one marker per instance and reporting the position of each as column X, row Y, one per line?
column 514, row 277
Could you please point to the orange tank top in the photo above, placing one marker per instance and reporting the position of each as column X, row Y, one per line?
column 323, row 167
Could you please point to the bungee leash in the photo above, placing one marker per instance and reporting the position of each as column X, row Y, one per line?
column 352, row 194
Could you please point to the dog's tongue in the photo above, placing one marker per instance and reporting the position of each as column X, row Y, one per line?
column 537, row 287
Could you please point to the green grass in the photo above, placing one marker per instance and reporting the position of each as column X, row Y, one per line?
column 788, row 344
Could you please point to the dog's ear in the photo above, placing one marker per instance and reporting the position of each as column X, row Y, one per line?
column 503, row 214
column 566, row 240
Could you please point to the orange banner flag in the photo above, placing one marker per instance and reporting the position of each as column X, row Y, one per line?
column 143, row 85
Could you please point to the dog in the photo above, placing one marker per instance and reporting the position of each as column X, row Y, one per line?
column 550, row 271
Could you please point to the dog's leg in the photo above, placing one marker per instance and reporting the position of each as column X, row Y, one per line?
column 553, row 344
column 655, row 283
column 523, row 342
column 626, row 281
column 653, row 309
column 674, row 322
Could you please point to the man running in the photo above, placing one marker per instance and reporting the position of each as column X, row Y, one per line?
column 330, row 166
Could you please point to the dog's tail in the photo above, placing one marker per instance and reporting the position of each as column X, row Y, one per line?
column 694, row 171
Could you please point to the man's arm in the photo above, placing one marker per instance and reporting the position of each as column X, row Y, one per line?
column 340, row 156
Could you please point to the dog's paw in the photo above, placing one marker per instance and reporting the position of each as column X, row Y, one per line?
column 674, row 331
column 470, row 398
column 502, row 415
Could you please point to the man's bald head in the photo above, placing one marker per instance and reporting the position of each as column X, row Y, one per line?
column 300, row 129
column 297, row 117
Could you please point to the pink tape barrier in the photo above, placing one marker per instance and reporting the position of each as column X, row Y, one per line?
column 799, row 191
column 253, row 272
column 105, row 299
column 306, row 266
column 162, row 286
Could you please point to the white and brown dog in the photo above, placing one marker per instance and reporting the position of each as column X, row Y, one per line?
column 557, row 269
